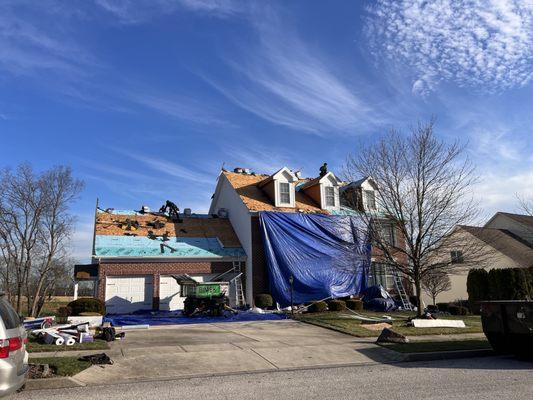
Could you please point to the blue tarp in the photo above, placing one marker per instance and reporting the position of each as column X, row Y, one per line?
column 327, row 255
column 177, row 318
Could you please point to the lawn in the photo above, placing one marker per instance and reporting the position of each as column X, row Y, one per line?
column 63, row 366
column 34, row 346
column 448, row 345
column 342, row 322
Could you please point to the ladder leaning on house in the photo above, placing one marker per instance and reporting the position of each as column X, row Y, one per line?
column 398, row 284
column 240, row 301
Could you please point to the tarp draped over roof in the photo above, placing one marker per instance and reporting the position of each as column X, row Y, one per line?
column 326, row 255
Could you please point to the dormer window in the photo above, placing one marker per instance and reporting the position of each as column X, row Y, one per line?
column 330, row 196
column 279, row 187
column 285, row 193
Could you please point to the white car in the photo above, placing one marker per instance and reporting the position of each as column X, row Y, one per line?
column 13, row 355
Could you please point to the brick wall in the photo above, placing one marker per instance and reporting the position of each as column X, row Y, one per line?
column 156, row 269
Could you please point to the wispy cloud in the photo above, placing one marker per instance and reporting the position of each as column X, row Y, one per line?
column 139, row 11
column 185, row 108
column 172, row 169
column 286, row 82
column 483, row 44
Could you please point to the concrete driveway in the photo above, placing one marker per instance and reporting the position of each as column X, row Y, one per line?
column 209, row 349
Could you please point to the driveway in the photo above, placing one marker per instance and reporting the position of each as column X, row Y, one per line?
column 168, row 352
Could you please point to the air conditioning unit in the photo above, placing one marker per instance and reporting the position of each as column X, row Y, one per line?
column 238, row 170
column 187, row 212
column 145, row 209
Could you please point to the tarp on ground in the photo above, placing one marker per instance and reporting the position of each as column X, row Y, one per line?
column 327, row 255
column 177, row 318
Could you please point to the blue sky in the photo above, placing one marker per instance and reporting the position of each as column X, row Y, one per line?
column 147, row 99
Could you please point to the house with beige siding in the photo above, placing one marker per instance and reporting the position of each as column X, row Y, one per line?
column 505, row 241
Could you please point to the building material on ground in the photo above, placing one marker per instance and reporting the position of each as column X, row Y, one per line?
column 93, row 321
column 38, row 323
column 69, row 340
column 389, row 336
column 438, row 323
column 376, row 327
column 53, row 338
column 133, row 327
column 86, row 337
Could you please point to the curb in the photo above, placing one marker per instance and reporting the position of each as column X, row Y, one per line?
column 448, row 355
column 52, row 383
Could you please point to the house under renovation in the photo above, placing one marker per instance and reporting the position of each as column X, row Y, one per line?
column 136, row 255
column 262, row 234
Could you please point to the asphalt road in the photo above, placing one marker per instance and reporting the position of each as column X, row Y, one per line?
column 478, row 378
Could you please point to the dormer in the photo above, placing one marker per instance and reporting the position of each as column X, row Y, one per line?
column 324, row 191
column 280, row 187
column 360, row 195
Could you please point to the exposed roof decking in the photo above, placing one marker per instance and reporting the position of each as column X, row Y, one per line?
column 247, row 186
column 202, row 227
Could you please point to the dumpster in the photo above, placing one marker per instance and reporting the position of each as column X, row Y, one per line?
column 508, row 326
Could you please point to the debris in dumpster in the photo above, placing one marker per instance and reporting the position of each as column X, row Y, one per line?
column 97, row 359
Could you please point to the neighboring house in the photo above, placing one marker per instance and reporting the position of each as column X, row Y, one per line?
column 519, row 225
column 136, row 254
column 494, row 248
column 242, row 195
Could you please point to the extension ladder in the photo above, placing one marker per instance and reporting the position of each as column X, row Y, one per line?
column 398, row 284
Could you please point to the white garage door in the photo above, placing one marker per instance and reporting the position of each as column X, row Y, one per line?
column 125, row 294
column 169, row 292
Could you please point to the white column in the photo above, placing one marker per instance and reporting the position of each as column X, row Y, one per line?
column 75, row 290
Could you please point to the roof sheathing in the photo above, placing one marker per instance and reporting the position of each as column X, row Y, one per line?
column 191, row 227
column 247, row 186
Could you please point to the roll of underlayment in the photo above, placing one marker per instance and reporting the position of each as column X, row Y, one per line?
column 53, row 338
column 69, row 340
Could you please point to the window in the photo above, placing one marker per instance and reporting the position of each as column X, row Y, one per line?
column 457, row 257
column 284, row 193
column 370, row 199
column 386, row 233
column 330, row 196
column 379, row 275
column 9, row 316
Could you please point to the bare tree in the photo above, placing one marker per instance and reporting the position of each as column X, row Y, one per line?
column 35, row 225
column 436, row 282
column 422, row 192
column 525, row 204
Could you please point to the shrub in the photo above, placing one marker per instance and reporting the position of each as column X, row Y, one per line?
column 457, row 310
column 263, row 300
column 88, row 304
column 477, row 286
column 336, row 305
column 318, row 306
column 354, row 304
column 443, row 306
column 64, row 311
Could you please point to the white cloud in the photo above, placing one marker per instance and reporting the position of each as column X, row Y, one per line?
column 140, row 11
column 482, row 44
column 286, row 82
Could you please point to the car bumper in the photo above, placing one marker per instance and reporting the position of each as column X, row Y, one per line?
column 11, row 378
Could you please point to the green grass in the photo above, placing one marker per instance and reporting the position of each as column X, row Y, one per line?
column 449, row 345
column 335, row 320
column 63, row 366
column 34, row 346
